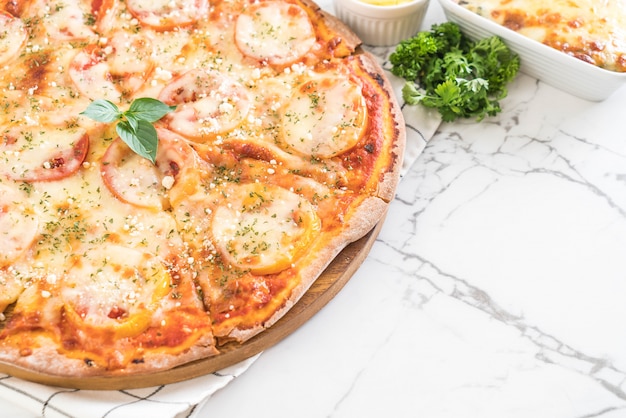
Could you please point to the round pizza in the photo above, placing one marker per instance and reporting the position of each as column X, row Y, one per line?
column 174, row 175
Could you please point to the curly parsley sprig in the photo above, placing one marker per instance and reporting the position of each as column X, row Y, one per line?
column 447, row 71
column 135, row 125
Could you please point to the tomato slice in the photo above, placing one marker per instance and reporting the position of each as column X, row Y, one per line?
column 168, row 14
column 113, row 70
column 35, row 153
column 129, row 288
column 263, row 228
column 340, row 117
column 90, row 74
column 208, row 104
column 63, row 20
column 276, row 32
column 135, row 180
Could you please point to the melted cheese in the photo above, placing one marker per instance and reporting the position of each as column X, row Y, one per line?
column 590, row 30
column 91, row 75
column 166, row 14
column 208, row 103
column 274, row 31
column 133, row 179
column 64, row 20
column 324, row 117
column 18, row 225
column 115, row 288
column 33, row 153
column 263, row 228
column 13, row 37
column 112, row 68
column 11, row 287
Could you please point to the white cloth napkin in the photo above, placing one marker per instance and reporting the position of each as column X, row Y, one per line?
column 173, row 400
column 182, row 399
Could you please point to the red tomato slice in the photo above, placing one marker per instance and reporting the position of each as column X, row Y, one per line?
column 118, row 68
column 42, row 154
column 208, row 104
column 107, row 303
column 168, row 14
column 135, row 180
column 277, row 32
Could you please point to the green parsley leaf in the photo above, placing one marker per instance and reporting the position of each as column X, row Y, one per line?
column 134, row 126
column 445, row 70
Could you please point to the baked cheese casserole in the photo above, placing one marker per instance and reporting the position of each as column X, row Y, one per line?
column 593, row 31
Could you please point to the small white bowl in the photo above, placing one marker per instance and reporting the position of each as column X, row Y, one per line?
column 382, row 25
column 547, row 64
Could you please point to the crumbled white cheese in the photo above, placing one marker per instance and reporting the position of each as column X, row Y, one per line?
column 167, row 182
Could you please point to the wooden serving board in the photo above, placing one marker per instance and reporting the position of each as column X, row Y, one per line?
column 319, row 294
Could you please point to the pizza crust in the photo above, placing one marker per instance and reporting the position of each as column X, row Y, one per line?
column 46, row 361
column 397, row 130
column 337, row 26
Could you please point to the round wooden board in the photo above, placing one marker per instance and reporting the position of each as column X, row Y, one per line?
column 319, row 294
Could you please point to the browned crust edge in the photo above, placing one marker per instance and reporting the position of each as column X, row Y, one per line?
column 49, row 362
column 351, row 40
column 389, row 183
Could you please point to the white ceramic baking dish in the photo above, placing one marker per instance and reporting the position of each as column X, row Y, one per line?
column 538, row 60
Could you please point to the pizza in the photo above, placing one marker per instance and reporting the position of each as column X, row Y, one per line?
column 577, row 28
column 283, row 145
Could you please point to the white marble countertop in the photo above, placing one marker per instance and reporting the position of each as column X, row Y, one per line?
column 495, row 289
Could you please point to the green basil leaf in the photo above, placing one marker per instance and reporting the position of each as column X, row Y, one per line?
column 148, row 109
column 143, row 140
column 102, row 111
column 134, row 126
column 132, row 121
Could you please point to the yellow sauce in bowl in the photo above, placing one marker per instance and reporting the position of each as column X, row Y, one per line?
column 385, row 2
